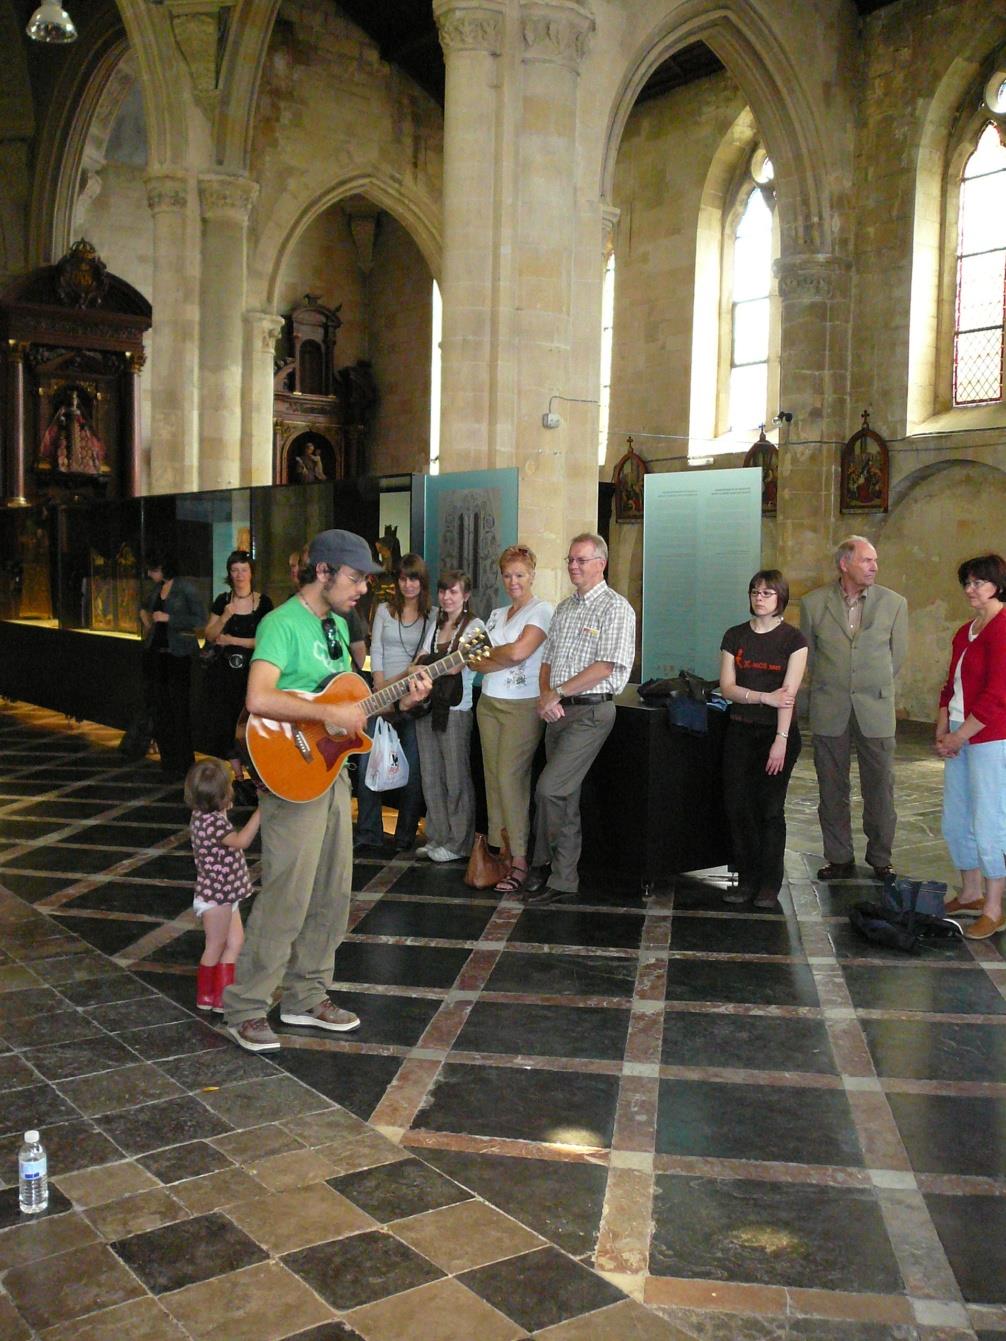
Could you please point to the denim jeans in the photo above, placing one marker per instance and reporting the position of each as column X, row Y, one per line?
column 974, row 807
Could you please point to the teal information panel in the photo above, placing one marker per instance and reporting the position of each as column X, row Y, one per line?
column 701, row 544
column 471, row 517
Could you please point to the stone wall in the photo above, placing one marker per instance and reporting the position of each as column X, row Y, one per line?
column 323, row 261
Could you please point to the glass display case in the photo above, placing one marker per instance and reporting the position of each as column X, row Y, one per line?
column 27, row 564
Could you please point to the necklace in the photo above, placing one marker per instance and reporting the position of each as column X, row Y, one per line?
column 308, row 606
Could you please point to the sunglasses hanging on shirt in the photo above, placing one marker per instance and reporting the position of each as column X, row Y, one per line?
column 332, row 639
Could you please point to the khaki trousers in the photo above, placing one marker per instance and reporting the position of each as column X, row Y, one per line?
column 571, row 746
column 510, row 730
column 300, row 915
column 832, row 760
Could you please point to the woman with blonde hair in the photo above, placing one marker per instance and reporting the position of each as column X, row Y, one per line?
column 509, row 725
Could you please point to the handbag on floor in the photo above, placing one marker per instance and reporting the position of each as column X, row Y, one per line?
column 387, row 767
column 485, row 869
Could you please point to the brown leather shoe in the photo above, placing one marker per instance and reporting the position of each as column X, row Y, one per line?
column 984, row 928
column 885, row 874
column 955, row 908
column 537, row 878
column 837, row 870
column 549, row 895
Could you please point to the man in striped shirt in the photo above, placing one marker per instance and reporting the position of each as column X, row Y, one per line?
column 587, row 658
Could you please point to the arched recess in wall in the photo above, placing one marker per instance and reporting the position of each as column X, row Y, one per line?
column 772, row 87
column 920, row 550
column 358, row 251
column 17, row 116
column 951, row 124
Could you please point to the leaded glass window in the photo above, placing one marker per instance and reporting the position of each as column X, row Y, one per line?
column 750, row 314
column 981, row 274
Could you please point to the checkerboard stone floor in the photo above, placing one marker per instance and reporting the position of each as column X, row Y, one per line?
column 623, row 1118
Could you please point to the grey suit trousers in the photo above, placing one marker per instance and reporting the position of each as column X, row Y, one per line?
column 832, row 760
column 571, row 746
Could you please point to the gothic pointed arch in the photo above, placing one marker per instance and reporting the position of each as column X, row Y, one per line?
column 240, row 77
column 771, row 81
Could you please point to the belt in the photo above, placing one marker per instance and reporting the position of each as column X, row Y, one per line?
column 576, row 700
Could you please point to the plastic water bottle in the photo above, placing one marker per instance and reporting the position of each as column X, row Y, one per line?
column 32, row 1175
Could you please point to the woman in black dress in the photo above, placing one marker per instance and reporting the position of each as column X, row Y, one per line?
column 230, row 631
column 762, row 662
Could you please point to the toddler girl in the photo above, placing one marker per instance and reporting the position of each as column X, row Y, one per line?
column 222, row 879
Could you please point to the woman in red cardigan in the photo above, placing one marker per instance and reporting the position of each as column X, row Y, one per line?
column 971, row 737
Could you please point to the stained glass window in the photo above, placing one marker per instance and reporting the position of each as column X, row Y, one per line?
column 607, row 323
column 750, row 313
column 981, row 274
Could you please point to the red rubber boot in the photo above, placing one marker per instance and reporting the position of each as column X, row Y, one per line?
column 206, row 986
column 225, row 976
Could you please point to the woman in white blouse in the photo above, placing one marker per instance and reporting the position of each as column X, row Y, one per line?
column 509, row 725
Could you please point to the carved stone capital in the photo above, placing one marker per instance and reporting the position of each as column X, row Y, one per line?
column 468, row 27
column 812, row 275
column 226, row 197
column 265, row 328
column 556, row 31
column 167, row 191
column 610, row 215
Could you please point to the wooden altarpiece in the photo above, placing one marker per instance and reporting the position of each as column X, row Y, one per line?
column 71, row 336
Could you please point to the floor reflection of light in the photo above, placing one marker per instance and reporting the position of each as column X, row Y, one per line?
column 575, row 1136
column 768, row 1239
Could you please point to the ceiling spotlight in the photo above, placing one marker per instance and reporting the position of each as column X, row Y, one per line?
column 51, row 23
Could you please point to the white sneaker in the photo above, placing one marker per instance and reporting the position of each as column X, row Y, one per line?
column 445, row 854
column 426, row 850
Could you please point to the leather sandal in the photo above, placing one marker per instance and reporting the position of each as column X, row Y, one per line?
column 513, row 882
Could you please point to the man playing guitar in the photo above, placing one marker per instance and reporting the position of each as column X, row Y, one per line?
column 300, row 915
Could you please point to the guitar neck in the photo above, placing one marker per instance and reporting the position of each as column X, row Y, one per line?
column 391, row 693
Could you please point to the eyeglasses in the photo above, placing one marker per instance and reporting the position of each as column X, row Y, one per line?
column 761, row 591
column 578, row 563
column 332, row 640
column 976, row 582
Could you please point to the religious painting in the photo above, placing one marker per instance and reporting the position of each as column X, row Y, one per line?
column 72, row 442
column 127, row 588
column 101, row 591
column 471, row 517
column 627, row 478
column 865, row 471
column 765, row 455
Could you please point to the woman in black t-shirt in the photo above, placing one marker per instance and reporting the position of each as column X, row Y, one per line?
column 761, row 665
column 230, row 631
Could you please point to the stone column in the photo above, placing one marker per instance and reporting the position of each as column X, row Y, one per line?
column 225, row 203
column 173, row 337
column 814, row 292
column 260, row 334
column 471, row 34
column 558, row 279
column 134, row 473
column 14, row 464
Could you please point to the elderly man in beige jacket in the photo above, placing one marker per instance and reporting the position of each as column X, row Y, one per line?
column 858, row 638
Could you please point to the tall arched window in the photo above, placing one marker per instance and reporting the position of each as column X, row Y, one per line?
column 981, row 274
column 750, row 319
column 607, row 323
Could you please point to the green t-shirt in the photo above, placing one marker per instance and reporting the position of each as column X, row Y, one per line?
column 291, row 637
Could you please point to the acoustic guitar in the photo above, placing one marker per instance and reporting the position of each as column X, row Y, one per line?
column 299, row 761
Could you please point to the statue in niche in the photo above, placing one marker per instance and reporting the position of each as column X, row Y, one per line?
column 865, row 471
column 309, row 466
column 627, row 478
column 765, row 455
column 70, row 445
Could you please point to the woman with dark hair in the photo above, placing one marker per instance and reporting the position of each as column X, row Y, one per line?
column 971, row 739
column 400, row 627
column 762, row 662
column 230, row 631
column 170, row 614
column 445, row 734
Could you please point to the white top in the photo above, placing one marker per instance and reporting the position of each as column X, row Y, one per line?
column 394, row 646
column 467, row 676
column 520, row 681
column 955, row 708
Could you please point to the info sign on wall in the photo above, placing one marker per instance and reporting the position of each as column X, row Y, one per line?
column 701, row 545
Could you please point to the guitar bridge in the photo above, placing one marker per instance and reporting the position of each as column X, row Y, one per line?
column 300, row 740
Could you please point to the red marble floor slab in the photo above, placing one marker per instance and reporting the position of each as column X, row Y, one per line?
column 877, row 1131
column 656, row 933
column 848, row 1044
column 816, row 943
column 573, row 951
column 636, row 1114
column 435, row 942
column 733, row 958
column 932, row 1017
column 961, row 1185
column 808, row 1080
column 443, row 1029
column 972, row 1088
column 594, row 1066
column 831, row 988
column 623, row 1240
column 406, row 1093
column 533, row 999
column 917, row 1247
column 502, row 1145
column 645, row 1037
column 651, row 979
column 476, row 971
column 746, row 1008
column 818, row 1175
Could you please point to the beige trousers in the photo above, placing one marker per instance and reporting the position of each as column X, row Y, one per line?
column 510, row 730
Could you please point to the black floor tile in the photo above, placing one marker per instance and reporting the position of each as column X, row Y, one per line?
column 533, row 1105
column 30, row 1003
column 757, row 984
column 545, row 1031
column 30, row 1106
column 749, row 1042
column 10, row 1210
column 432, row 921
column 560, row 1199
column 17, row 788
column 191, row 1160
column 114, row 896
column 120, row 834
column 70, row 1146
column 178, row 987
column 32, row 888
column 107, row 934
column 28, row 830
column 394, row 1191
column 194, row 1250
column 949, row 1133
column 826, row 1238
column 117, row 791
column 393, row 1018
column 398, row 965
column 964, row 991
column 356, row 1081
column 175, row 1040
column 216, row 1067
column 737, row 935
column 79, row 860
column 556, row 974
column 185, row 948
column 115, row 986
column 353, row 1271
column 848, row 944
column 175, row 816
column 426, row 879
column 977, row 1255
column 54, row 1025
column 140, row 1013
column 174, row 865
column 600, row 930
column 937, row 1049
column 64, row 808
column 756, row 1122
column 541, row 1289
column 66, row 1061
column 330, row 1331
column 168, row 1122
column 701, row 895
